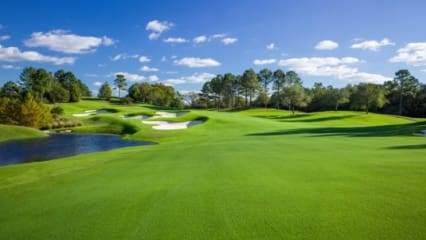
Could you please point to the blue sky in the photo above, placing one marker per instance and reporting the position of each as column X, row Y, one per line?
column 184, row 43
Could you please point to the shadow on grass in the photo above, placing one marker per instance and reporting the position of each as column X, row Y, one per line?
column 370, row 131
column 409, row 147
column 299, row 118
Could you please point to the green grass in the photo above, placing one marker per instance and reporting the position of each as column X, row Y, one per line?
column 8, row 132
column 257, row 174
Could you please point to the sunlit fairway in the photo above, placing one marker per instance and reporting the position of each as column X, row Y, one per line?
column 255, row 174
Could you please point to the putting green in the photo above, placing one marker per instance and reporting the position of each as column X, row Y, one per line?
column 256, row 174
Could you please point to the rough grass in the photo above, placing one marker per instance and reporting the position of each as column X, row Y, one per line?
column 8, row 132
column 258, row 174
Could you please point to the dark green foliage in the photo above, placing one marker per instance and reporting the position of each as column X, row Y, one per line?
column 156, row 94
column 27, row 112
column 11, row 90
column 105, row 91
column 120, row 83
column 57, row 111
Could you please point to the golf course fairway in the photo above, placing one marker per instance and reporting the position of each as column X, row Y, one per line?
column 254, row 174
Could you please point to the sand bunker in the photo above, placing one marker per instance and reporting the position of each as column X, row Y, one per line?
column 90, row 113
column 164, row 125
column 168, row 114
column 136, row 117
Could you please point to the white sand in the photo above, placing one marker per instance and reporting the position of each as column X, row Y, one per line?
column 136, row 117
column 163, row 125
column 90, row 113
column 168, row 115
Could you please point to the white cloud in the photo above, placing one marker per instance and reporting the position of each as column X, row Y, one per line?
column 66, row 42
column 175, row 40
column 13, row 54
column 270, row 46
column 196, row 78
column 423, row 70
column 144, row 59
column 157, row 28
column 123, row 56
column 91, row 75
column 219, row 35
column 332, row 67
column 372, row 45
column 1, row 26
column 97, row 84
column 412, row 54
column 200, row 39
column 101, row 65
column 229, row 40
column 264, row 61
column 9, row 66
column 129, row 76
column 4, row 37
column 153, row 78
column 106, row 41
column 163, row 58
column 326, row 45
column 148, row 69
column 193, row 62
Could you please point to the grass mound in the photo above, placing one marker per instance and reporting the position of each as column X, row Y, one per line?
column 107, row 124
column 9, row 132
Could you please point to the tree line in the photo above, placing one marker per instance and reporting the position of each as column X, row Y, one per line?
column 155, row 94
column 24, row 102
column 404, row 95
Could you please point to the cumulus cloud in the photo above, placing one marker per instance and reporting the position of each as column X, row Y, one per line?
column 4, row 37
column 326, row 45
column 372, row 45
column 264, row 61
column 219, row 35
column 148, row 69
column 144, row 59
column 175, row 40
column 332, row 67
column 270, row 46
column 129, row 76
column 66, row 42
column 200, row 39
column 194, row 62
column 153, row 78
column 229, row 40
column 123, row 56
column 412, row 54
column 157, row 28
column 10, row 66
column 91, row 75
column 97, row 84
column 196, row 78
column 13, row 54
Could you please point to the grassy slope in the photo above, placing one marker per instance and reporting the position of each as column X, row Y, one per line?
column 8, row 132
column 246, row 175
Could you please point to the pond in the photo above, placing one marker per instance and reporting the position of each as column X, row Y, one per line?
column 60, row 145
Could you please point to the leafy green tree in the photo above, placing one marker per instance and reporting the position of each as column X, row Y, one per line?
column 9, row 110
column 11, row 90
column 105, row 91
column 36, row 81
column 58, row 93
column 278, row 83
column 250, row 83
column 294, row 95
column 408, row 86
column 120, row 83
column 217, row 88
column 367, row 96
column 265, row 77
column 33, row 114
column 70, row 83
